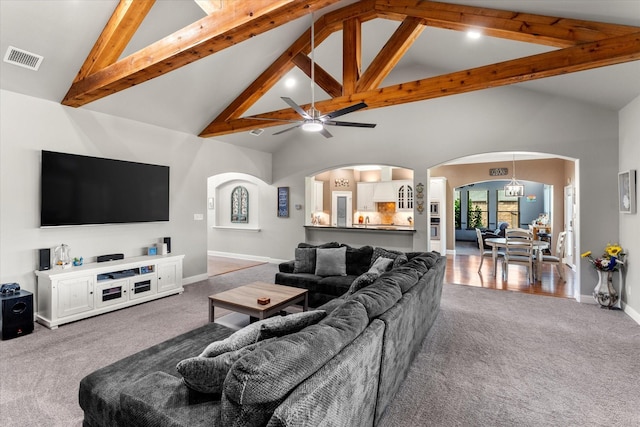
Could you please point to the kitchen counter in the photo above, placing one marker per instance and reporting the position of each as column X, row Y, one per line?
column 404, row 229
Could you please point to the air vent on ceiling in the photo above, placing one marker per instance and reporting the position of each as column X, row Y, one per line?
column 22, row 58
column 256, row 132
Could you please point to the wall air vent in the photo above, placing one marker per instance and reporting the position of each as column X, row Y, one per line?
column 22, row 58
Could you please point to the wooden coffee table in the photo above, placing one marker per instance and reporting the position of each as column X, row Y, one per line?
column 244, row 299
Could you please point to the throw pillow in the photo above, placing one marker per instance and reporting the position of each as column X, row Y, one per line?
column 263, row 329
column 400, row 260
column 305, row 261
column 362, row 281
column 207, row 374
column 331, row 262
column 381, row 252
column 381, row 265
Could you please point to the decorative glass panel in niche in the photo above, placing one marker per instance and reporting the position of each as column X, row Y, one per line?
column 240, row 205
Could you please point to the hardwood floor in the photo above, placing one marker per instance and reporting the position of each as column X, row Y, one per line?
column 462, row 269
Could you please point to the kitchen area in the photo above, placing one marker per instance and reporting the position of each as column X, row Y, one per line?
column 369, row 205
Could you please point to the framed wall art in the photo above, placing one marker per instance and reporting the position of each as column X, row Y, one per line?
column 283, row 202
column 627, row 191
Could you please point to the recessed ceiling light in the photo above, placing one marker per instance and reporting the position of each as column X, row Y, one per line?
column 290, row 82
column 473, row 34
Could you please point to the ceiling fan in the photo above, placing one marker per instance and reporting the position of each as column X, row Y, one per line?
column 312, row 120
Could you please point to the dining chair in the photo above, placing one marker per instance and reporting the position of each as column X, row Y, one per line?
column 558, row 256
column 518, row 250
column 484, row 253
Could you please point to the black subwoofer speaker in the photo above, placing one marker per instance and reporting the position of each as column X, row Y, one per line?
column 16, row 314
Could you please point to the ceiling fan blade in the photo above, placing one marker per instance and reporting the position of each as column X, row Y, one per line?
column 288, row 129
column 296, row 107
column 351, row 124
column 343, row 111
column 324, row 132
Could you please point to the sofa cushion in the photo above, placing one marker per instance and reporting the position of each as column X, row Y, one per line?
column 381, row 265
column 358, row 259
column 386, row 253
column 423, row 262
column 305, row 261
column 362, row 281
column 404, row 277
column 207, row 374
column 378, row 297
column 331, row 261
column 261, row 380
column 160, row 399
column 263, row 329
column 334, row 285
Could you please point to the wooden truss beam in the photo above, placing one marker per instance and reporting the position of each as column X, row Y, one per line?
column 615, row 50
column 204, row 37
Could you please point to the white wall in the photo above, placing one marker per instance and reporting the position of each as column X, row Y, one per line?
column 494, row 120
column 501, row 119
column 30, row 125
column 629, row 157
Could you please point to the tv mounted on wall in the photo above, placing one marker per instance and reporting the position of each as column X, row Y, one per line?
column 83, row 190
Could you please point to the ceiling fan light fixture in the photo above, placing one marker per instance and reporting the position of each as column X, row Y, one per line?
column 313, row 126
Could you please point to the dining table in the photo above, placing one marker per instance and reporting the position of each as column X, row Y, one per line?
column 501, row 242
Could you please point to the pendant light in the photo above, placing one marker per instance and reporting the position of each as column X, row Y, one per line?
column 514, row 188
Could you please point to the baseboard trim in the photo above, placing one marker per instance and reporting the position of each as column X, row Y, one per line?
column 193, row 279
column 631, row 312
column 247, row 257
column 588, row 299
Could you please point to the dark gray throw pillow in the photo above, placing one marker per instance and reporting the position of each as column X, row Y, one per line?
column 272, row 327
column 305, row 261
column 364, row 280
column 331, row 262
column 386, row 253
column 207, row 374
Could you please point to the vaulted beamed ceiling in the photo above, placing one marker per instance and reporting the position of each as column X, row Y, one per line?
column 578, row 45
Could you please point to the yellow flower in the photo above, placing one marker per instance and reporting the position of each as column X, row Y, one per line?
column 586, row 254
column 613, row 250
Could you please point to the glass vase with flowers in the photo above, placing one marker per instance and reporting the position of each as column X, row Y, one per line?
column 611, row 260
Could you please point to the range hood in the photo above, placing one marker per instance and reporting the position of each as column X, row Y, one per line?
column 384, row 191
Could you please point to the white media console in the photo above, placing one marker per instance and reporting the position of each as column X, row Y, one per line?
column 67, row 295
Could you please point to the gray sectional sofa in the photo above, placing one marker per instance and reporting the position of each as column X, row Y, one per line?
column 304, row 272
column 343, row 370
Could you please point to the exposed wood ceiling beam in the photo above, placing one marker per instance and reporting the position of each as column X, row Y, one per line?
column 115, row 36
column 391, row 53
column 198, row 40
column 351, row 55
column 210, row 6
column 324, row 27
column 615, row 50
column 526, row 27
column 560, row 32
column 322, row 77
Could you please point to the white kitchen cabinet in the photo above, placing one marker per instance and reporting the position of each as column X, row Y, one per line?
column 67, row 295
column 404, row 195
column 365, row 201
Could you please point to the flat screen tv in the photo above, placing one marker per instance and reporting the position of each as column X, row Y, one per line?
column 83, row 190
